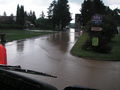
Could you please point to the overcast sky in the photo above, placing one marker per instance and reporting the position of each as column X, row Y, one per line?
column 9, row 6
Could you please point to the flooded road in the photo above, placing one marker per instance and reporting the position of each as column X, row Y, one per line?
column 51, row 54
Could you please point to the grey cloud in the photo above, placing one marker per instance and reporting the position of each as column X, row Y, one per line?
column 76, row 1
column 41, row 2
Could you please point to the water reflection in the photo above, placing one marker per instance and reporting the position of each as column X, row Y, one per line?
column 61, row 40
column 72, row 35
column 20, row 46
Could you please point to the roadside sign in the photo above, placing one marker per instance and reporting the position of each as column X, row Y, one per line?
column 96, row 29
column 96, row 19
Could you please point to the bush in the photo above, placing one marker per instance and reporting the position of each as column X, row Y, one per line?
column 87, row 45
column 10, row 26
column 43, row 23
column 102, row 49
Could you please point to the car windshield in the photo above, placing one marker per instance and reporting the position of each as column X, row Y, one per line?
column 64, row 43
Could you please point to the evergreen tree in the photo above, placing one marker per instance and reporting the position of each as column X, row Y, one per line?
column 50, row 9
column 91, row 7
column 18, row 14
column 31, row 17
column 20, row 17
column 42, row 15
column 86, row 11
column 98, row 7
column 63, row 13
column 55, row 16
column 4, row 14
column 12, row 20
column 34, row 18
column 116, row 16
column 60, row 14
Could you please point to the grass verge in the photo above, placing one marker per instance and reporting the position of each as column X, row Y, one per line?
column 21, row 34
column 114, row 55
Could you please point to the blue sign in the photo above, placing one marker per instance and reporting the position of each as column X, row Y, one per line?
column 97, row 19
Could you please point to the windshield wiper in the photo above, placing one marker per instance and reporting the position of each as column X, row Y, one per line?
column 19, row 69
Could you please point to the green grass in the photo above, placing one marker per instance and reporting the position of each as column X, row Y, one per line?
column 114, row 55
column 21, row 34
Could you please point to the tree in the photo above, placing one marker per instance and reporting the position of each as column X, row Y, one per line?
column 50, row 9
column 11, row 20
column 18, row 14
column 42, row 15
column 34, row 18
column 63, row 13
column 60, row 14
column 31, row 17
column 20, row 17
column 91, row 7
column 4, row 14
column 109, row 28
column 116, row 16
column 86, row 11
column 98, row 7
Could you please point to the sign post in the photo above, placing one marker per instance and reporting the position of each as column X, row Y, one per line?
column 96, row 28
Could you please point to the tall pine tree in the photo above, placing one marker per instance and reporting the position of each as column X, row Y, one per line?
column 60, row 14
column 50, row 9
column 20, row 17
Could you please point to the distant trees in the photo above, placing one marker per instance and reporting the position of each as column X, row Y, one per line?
column 23, row 18
column 58, row 16
column 31, row 17
column 43, row 23
column 20, row 21
column 59, row 13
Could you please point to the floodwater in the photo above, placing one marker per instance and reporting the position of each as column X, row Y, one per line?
column 51, row 54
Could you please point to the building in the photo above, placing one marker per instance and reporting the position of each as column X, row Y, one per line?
column 78, row 22
column 5, row 19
